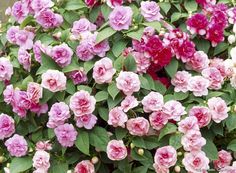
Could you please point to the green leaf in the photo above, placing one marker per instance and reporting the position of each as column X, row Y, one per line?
column 101, row 96
column 103, row 112
column 232, row 145
column 85, row 88
column 88, row 65
column 175, row 16
column 1, row 87
column 220, row 48
column 130, row 63
column 175, row 141
column 140, row 169
column 98, row 138
column 180, row 95
column 202, row 45
column 118, row 64
column 26, row 21
column 172, row 68
column 231, row 122
column 190, row 5
column 144, row 82
column 75, row 5
column 74, row 65
column 120, row 133
column 118, row 47
column 58, row 167
column 137, row 34
column 159, row 87
column 168, row 129
column 20, row 164
column 70, row 87
column 47, row 95
column 105, row 11
column 114, row 102
column 25, row 82
column 113, row 90
column 104, row 34
column 149, row 142
column 82, row 142
column 156, row 25
column 47, row 63
column 210, row 150
column 165, row 6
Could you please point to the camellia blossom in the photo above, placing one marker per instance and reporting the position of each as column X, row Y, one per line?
column 6, row 69
column 198, row 62
column 202, row 114
column 38, row 5
column 11, row 34
column 117, row 117
column 154, row 101
column 78, row 76
column 198, row 85
column 41, row 160
column 87, row 121
column 19, row 11
column 224, row 160
column 8, row 94
column 214, row 76
column 143, row 61
column 158, row 120
column 84, row 166
column 138, row 126
column 24, row 59
column 174, row 110
column 34, row 92
column 7, row 126
column 150, row 11
column 180, row 81
column 116, row 150
column 187, row 124
column 24, row 39
column 82, row 25
column 128, row 103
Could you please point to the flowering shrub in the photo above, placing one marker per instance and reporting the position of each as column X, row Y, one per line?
column 121, row 86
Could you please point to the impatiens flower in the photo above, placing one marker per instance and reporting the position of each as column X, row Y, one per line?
column 195, row 162
column 114, row 3
column 54, row 80
column 24, row 59
column 150, row 11
column 221, row 66
column 116, row 150
column 38, row 5
column 87, row 121
column 218, row 109
column 84, row 166
column 143, row 61
column 224, row 159
column 17, row 146
column 101, row 48
column 38, row 48
column 180, row 81
column 165, row 157
column 90, row 3
column 193, row 141
column 158, row 120
column 198, row 85
column 138, row 126
column 6, row 69
column 120, row 18
column 82, row 25
column 39, row 108
column 197, row 24
column 185, row 51
column 187, row 124
column 85, row 51
column 232, row 15
column 43, row 145
column 160, row 169
column 128, row 103
column 41, row 160
column 117, row 117
column 62, row 54
column 198, row 62
column 24, row 39
column 19, row 11
column 202, row 114
column 34, row 92
column 66, row 134
column 8, row 94
column 128, row 82
column 103, row 71
column 173, row 109
column 214, row 76
column 82, row 103
column 58, row 114
column 229, row 169
column 11, row 34
column 153, row 102
column 215, row 34
column 7, row 126
column 78, row 76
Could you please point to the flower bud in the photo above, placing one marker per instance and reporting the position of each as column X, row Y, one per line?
column 2, row 159
column 132, row 145
column 180, row 153
column 140, row 151
column 177, row 169
column 69, row 171
column 231, row 39
column 234, row 28
column 94, row 160
column 8, row 165
column 72, row 37
column 57, row 35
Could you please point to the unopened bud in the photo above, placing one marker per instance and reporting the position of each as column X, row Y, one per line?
column 1, row 159
column 132, row 145
column 140, row 151
column 8, row 165
column 57, row 35
column 180, row 153
column 69, row 171
column 231, row 39
column 94, row 160
column 177, row 169
column 72, row 37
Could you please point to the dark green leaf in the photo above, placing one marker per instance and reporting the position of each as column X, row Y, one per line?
column 165, row 6
column 20, row 164
column 190, row 5
column 58, row 167
column 220, row 48
column 130, row 63
column 101, row 96
column 137, row 34
column 210, row 150
column 103, row 112
column 82, row 142
column 104, row 34
column 120, row 133
column 85, row 88
column 98, row 138
column 105, row 10
column 231, row 122
column 175, row 141
column 172, row 68
column 1, row 87
column 168, row 129
column 75, row 5
column 113, row 90
column 47, row 95
column 118, row 47
column 232, row 145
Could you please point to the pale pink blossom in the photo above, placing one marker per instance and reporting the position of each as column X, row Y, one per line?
column 11, row 34
column 117, row 117
column 158, row 120
column 198, row 62
column 6, row 69
column 229, row 169
column 202, row 114
column 214, row 76
column 180, row 81
column 174, row 110
column 78, row 76
column 160, row 169
column 187, row 124
column 150, row 11
column 8, row 94
column 198, row 85
column 114, row 3
column 34, row 92
column 19, row 11
column 224, row 159
column 116, row 150
column 38, row 5
column 82, row 25
column 143, row 61
column 138, row 126
column 84, row 166
column 128, row 103
column 24, row 39
column 87, row 121
column 154, row 101
column 24, row 59
column 43, row 145
column 7, row 126
column 41, row 160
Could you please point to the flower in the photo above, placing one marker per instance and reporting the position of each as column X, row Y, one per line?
column 7, row 126
column 87, row 121
column 8, row 94
column 198, row 62
column 66, row 134
column 120, row 18
column 17, row 146
column 43, row 145
column 41, row 160
column 128, row 103
column 128, row 82
column 11, row 34
column 187, row 124
column 24, row 59
column 150, row 11
column 154, row 101
column 103, row 71
column 215, row 34
column 224, row 160
column 19, row 11
column 54, row 80
column 197, row 24
column 6, row 69
column 143, row 61
column 116, row 150
column 24, row 39
column 114, row 3
column 158, row 120
column 198, row 85
column 84, row 166
column 202, row 114
column 174, row 110
column 34, row 92
column 82, row 103
column 37, row 49
column 85, row 51
column 117, row 117
column 82, row 25
column 218, row 109
column 185, row 51
column 78, row 76
column 138, row 126
column 180, row 81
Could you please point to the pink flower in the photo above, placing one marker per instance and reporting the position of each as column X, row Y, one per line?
column 24, row 39
column 85, row 51
column 43, row 145
column 128, row 82
column 229, row 169
column 17, row 146
column 82, row 103
column 6, row 69
column 114, row 3
column 128, row 103
column 174, row 110
column 103, row 71
column 138, row 126
column 66, row 135
column 39, row 5
column 117, row 117
column 195, row 162
column 158, row 120
column 180, row 81
column 39, row 108
column 82, row 25
column 54, row 80
column 224, row 159
column 197, row 24
column 202, row 114
column 87, row 121
column 165, row 157
column 198, row 85
column 84, row 166
column 116, row 150
column 11, row 34
column 220, row 65
column 78, row 76
column 143, row 61
column 41, row 160
column 58, row 114
column 48, row 19
column 19, row 11
column 214, row 76
column 90, row 3
column 37, row 49
column 215, row 34
column 232, row 15
column 218, row 109
column 24, row 59
column 62, row 54
column 160, row 169
column 187, row 124
column 185, row 51
column 193, row 141
column 8, row 94
column 7, row 126
column 101, row 48
column 198, row 62
column 8, row 11
column 120, row 18
column 154, row 101
column 34, row 92
column 150, row 11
